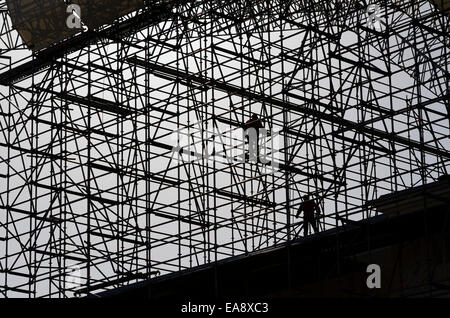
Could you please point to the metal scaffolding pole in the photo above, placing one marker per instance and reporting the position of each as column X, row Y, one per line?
column 96, row 191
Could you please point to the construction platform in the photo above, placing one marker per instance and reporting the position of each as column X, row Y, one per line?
column 411, row 247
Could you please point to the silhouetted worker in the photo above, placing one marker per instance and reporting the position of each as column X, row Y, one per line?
column 252, row 127
column 254, row 122
column 308, row 206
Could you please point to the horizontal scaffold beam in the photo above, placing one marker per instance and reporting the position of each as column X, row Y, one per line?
column 361, row 127
column 46, row 57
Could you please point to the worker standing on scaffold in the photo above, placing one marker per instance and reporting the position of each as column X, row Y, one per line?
column 309, row 207
column 252, row 127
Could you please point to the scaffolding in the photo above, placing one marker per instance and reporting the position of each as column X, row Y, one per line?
column 96, row 193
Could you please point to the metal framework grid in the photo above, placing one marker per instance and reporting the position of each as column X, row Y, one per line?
column 89, row 179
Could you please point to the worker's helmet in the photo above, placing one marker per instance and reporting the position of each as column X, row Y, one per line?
column 254, row 116
column 306, row 197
